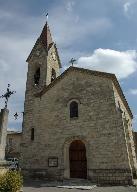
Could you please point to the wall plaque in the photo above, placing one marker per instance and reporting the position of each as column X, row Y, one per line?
column 53, row 162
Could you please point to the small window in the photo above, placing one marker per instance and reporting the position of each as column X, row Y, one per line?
column 32, row 134
column 73, row 109
column 37, row 76
column 10, row 141
column 53, row 75
column 119, row 107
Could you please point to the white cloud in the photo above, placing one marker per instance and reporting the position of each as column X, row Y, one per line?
column 121, row 63
column 70, row 5
column 72, row 28
column 130, row 8
column 133, row 91
column 15, row 46
column 13, row 70
column 126, row 6
column 66, row 36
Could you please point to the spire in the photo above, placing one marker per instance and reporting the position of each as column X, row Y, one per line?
column 45, row 36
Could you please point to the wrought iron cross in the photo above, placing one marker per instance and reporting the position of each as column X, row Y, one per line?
column 72, row 61
column 7, row 95
column 16, row 115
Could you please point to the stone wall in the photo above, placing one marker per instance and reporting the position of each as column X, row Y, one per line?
column 99, row 125
column 127, row 123
column 135, row 141
column 13, row 144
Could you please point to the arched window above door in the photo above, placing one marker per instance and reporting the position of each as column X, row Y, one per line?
column 73, row 107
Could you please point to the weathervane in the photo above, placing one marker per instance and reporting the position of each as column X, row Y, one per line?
column 47, row 15
column 72, row 61
column 7, row 95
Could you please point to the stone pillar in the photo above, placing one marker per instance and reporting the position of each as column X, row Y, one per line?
column 3, row 132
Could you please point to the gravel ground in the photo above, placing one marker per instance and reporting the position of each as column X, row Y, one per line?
column 38, row 186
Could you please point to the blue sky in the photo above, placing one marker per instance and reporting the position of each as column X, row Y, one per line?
column 100, row 34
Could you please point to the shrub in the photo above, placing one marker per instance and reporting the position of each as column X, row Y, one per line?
column 11, row 181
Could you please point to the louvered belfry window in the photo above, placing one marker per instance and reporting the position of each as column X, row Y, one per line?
column 37, row 76
column 53, row 75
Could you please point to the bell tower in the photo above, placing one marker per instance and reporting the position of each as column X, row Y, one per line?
column 43, row 68
column 43, row 62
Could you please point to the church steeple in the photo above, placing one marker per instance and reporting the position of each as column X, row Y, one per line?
column 44, row 62
column 46, row 37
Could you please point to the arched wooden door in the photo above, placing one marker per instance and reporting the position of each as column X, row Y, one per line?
column 78, row 160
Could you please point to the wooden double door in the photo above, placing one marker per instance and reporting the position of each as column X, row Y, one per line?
column 78, row 160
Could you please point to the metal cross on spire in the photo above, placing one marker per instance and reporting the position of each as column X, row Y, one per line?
column 7, row 95
column 72, row 61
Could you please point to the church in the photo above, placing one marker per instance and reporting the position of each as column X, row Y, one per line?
column 77, row 124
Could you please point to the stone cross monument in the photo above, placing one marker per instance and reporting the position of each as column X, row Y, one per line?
column 3, row 131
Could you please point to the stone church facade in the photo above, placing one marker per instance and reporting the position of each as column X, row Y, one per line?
column 77, row 124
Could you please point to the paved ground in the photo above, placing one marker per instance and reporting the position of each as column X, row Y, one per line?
column 107, row 189
column 39, row 186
